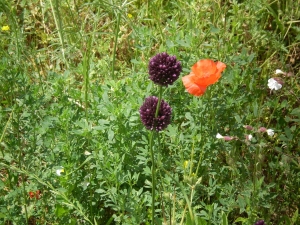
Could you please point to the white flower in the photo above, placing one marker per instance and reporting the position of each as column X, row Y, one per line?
column 273, row 84
column 249, row 137
column 270, row 132
column 278, row 71
column 219, row 136
column 226, row 138
column 59, row 171
column 87, row 153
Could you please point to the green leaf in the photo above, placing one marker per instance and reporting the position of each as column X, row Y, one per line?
column 60, row 210
column 201, row 221
column 224, row 219
column 241, row 219
column 295, row 216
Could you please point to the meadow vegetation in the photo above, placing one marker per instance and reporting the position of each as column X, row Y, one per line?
column 73, row 149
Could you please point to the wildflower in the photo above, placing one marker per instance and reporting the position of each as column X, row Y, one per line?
column 59, row 171
column 273, row 84
column 204, row 73
column 226, row 138
column 185, row 164
column 219, row 136
column 278, row 80
column 248, row 127
column 249, row 137
column 262, row 129
column 129, row 15
column 278, row 71
column 5, row 28
column 164, row 69
column 270, row 132
column 147, row 114
column 260, row 222
column 87, row 153
column 36, row 194
column 31, row 194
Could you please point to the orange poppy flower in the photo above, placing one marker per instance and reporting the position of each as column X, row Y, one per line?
column 204, row 73
column 31, row 194
column 36, row 195
column 192, row 87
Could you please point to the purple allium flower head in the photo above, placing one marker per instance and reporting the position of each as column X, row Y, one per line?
column 147, row 114
column 260, row 222
column 164, row 69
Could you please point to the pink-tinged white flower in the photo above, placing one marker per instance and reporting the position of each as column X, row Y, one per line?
column 270, row 132
column 278, row 71
column 226, row 138
column 262, row 129
column 249, row 137
column 219, row 136
column 273, row 84
column 248, row 127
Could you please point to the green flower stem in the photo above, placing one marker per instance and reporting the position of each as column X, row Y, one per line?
column 58, row 24
column 20, row 166
column 159, row 100
column 152, row 154
column 3, row 133
column 153, row 172
column 115, row 44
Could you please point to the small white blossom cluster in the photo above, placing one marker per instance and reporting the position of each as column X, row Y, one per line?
column 248, row 137
column 273, row 84
column 276, row 83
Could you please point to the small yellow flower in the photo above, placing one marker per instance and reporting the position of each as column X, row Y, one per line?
column 5, row 28
column 129, row 15
column 185, row 164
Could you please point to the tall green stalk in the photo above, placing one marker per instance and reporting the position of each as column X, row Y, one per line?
column 152, row 154
column 20, row 166
column 115, row 44
column 58, row 24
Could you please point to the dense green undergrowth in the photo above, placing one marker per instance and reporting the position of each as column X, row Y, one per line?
column 73, row 76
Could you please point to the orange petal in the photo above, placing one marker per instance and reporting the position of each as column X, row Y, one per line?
column 221, row 66
column 204, row 67
column 207, row 72
column 191, row 87
column 31, row 194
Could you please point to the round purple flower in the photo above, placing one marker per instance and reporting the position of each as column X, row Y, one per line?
column 164, row 69
column 260, row 222
column 147, row 114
